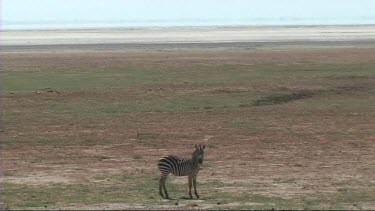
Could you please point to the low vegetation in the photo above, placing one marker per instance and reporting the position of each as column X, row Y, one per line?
column 285, row 130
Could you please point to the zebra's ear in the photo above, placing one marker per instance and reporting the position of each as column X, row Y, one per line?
column 203, row 146
column 196, row 146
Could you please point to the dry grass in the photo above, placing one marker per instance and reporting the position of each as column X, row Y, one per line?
column 285, row 129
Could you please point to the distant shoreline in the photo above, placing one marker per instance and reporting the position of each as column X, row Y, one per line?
column 233, row 37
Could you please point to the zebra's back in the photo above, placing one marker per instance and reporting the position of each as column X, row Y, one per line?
column 175, row 165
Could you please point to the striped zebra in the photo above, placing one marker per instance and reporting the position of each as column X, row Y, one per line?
column 181, row 167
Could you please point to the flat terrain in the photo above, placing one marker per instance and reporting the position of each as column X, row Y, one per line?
column 172, row 35
column 285, row 128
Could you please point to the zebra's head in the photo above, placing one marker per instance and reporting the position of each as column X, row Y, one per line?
column 199, row 153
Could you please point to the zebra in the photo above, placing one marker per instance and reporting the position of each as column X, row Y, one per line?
column 181, row 167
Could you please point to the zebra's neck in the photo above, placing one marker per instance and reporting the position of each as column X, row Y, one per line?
column 194, row 161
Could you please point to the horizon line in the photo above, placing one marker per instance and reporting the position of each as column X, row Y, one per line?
column 186, row 26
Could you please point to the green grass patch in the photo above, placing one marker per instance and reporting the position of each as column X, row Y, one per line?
column 122, row 189
column 125, row 77
column 142, row 190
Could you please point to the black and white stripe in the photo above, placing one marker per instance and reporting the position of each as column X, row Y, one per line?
column 181, row 167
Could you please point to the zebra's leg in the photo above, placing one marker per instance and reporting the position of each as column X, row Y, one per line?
column 165, row 189
column 195, row 185
column 190, row 184
column 161, row 186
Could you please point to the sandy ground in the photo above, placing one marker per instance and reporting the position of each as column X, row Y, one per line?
column 189, row 35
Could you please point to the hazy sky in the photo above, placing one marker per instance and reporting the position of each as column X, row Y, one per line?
column 210, row 11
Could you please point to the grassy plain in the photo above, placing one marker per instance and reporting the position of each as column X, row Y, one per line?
column 286, row 129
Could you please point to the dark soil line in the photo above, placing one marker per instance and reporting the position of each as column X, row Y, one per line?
column 285, row 98
column 303, row 94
